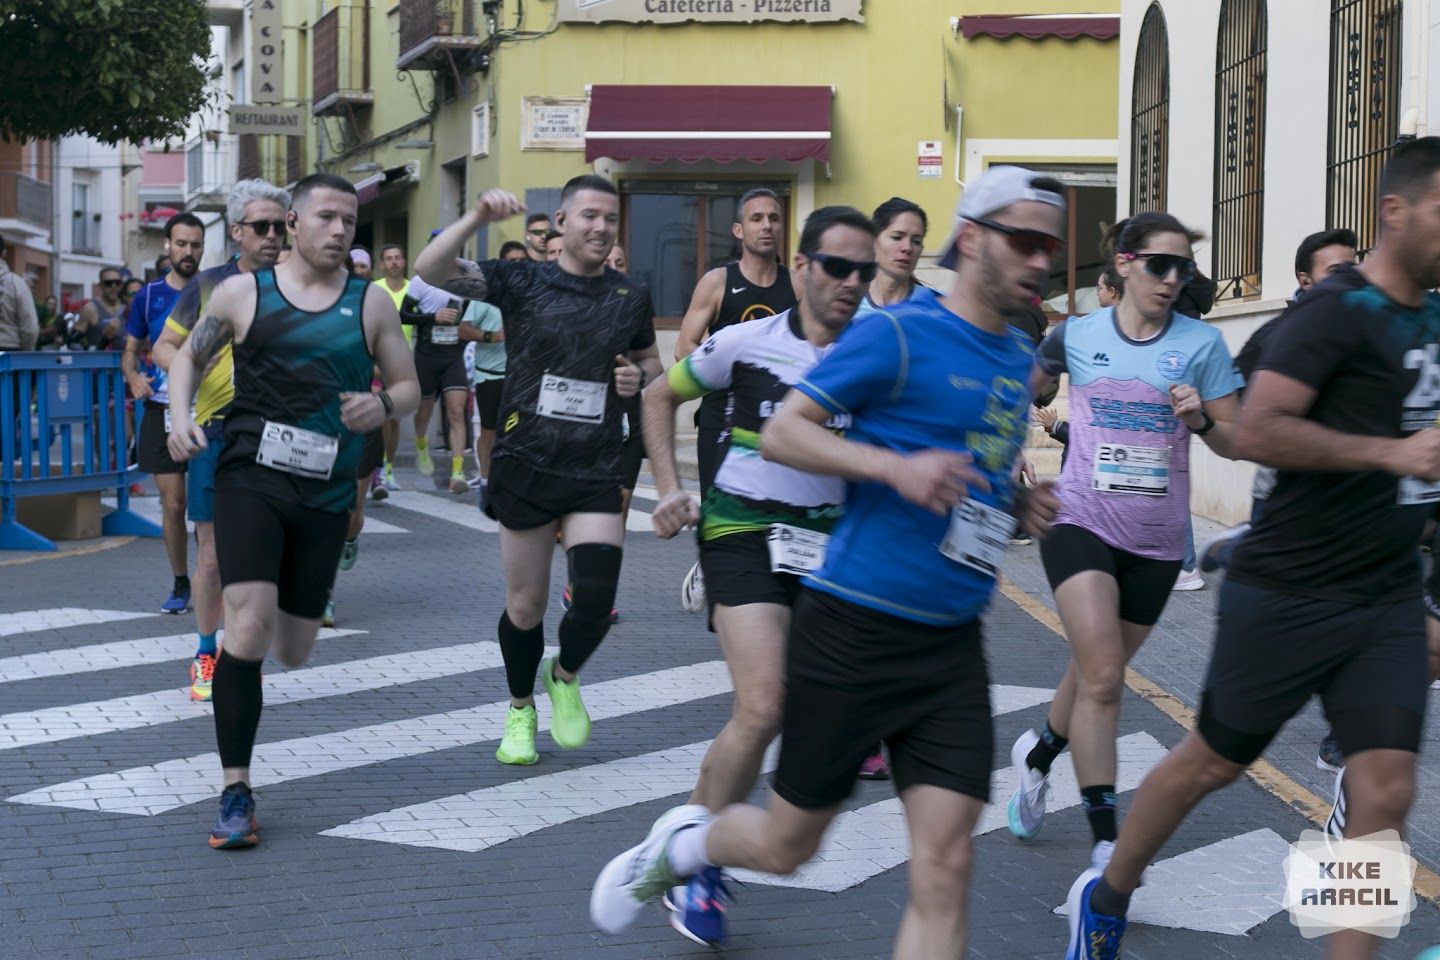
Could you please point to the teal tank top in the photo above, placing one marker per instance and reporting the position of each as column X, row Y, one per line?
column 291, row 369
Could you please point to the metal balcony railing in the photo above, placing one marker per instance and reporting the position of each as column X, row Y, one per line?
column 427, row 26
column 342, row 57
column 25, row 198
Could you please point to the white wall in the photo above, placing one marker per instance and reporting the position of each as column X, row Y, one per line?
column 88, row 161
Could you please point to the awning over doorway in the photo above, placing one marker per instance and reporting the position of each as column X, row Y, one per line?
column 718, row 123
column 1099, row 26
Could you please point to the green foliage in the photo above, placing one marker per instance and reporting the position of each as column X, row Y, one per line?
column 112, row 69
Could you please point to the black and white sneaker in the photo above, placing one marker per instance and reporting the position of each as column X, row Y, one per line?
column 1335, row 823
column 1215, row 552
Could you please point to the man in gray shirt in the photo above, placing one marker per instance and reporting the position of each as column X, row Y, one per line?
column 19, row 323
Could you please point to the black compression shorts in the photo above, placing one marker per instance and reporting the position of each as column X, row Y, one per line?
column 440, row 372
column 523, row 498
column 1144, row 582
column 258, row 538
column 154, row 454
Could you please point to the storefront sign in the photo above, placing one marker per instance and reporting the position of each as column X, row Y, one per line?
column 709, row 11
column 267, row 29
column 286, row 121
column 930, row 156
column 554, row 123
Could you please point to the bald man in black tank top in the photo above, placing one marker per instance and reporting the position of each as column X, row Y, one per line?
column 756, row 285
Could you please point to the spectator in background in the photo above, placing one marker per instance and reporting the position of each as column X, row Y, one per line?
column 19, row 321
column 360, row 262
column 537, row 233
column 162, row 266
column 101, row 318
column 52, row 326
column 554, row 243
column 513, row 250
column 127, row 292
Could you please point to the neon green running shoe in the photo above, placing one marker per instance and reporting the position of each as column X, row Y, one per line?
column 518, row 745
column 423, row 463
column 569, row 723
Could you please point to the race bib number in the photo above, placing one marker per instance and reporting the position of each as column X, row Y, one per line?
column 1414, row 491
column 565, row 399
column 444, row 335
column 795, row 550
column 978, row 536
column 1122, row 468
column 297, row 451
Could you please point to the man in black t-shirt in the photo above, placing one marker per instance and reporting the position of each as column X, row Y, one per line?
column 579, row 337
column 1323, row 594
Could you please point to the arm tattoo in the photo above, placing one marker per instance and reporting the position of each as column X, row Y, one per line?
column 129, row 360
column 468, row 282
column 210, row 335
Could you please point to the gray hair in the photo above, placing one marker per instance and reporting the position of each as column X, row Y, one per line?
column 246, row 192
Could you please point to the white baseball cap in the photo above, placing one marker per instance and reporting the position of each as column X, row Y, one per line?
column 997, row 188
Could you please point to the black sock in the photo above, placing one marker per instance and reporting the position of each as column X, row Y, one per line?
column 594, row 572
column 182, row 584
column 1099, row 803
column 1043, row 754
column 522, row 650
column 1107, row 900
column 236, row 698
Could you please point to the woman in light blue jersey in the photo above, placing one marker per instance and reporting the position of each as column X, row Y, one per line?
column 902, row 225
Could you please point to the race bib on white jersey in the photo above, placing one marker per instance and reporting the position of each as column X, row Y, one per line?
column 444, row 335
column 301, row 452
column 795, row 550
column 565, row 399
column 978, row 536
column 1123, row 468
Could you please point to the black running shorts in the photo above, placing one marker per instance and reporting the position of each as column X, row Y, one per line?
column 1145, row 583
column 154, row 454
column 1274, row 650
column 296, row 548
column 487, row 402
column 440, row 372
column 856, row 677
column 737, row 572
column 523, row 498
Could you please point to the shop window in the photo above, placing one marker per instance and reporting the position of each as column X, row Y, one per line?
column 1365, row 73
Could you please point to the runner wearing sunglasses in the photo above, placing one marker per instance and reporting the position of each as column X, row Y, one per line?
column 1143, row 379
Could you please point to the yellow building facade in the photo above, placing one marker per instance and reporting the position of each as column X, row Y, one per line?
column 425, row 103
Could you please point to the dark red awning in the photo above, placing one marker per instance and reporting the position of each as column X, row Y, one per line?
column 720, row 123
column 1040, row 26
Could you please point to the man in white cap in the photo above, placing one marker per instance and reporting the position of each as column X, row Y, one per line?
column 885, row 642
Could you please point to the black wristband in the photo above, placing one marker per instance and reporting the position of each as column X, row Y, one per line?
column 386, row 402
column 1209, row 425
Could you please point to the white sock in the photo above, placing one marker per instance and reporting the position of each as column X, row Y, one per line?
column 687, row 850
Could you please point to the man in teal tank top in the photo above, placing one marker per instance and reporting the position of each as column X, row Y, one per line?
column 306, row 335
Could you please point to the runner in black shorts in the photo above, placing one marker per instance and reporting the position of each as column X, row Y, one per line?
column 578, row 338
column 440, row 367
column 762, row 525
column 886, row 638
column 1323, row 595
column 304, row 352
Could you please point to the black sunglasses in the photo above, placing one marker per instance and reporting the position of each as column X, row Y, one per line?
column 1022, row 241
column 537, row 233
column 1159, row 265
column 264, row 227
column 840, row 268
column 111, row 283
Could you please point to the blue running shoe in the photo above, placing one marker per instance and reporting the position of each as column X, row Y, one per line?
column 1093, row 936
column 701, row 916
column 235, row 826
column 177, row 602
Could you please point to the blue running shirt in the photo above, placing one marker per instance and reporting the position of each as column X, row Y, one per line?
column 914, row 377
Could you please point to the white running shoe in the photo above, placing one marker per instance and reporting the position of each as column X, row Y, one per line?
column 1335, row 823
column 1101, row 853
column 1189, row 580
column 1026, row 812
column 640, row 874
column 692, row 591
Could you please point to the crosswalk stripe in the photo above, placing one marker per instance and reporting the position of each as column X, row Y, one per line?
column 373, row 526
column 166, row 706
column 166, row 786
column 110, row 656
column 868, row 841
column 33, row 621
column 462, row 512
column 475, row 821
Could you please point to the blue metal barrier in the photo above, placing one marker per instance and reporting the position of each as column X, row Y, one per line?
column 72, row 395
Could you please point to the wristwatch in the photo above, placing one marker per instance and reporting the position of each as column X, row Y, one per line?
column 487, row 336
column 1209, row 425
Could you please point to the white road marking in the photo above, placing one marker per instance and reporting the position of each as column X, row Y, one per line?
column 166, row 706
column 868, row 841
column 1228, row 887
column 483, row 818
column 165, row 786
column 33, row 621
column 111, row 656
column 460, row 511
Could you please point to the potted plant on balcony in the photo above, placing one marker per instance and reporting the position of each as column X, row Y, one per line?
column 444, row 18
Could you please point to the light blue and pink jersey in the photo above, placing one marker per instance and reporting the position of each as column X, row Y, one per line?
column 1126, row 476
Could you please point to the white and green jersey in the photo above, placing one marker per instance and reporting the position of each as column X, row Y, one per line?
column 758, row 362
